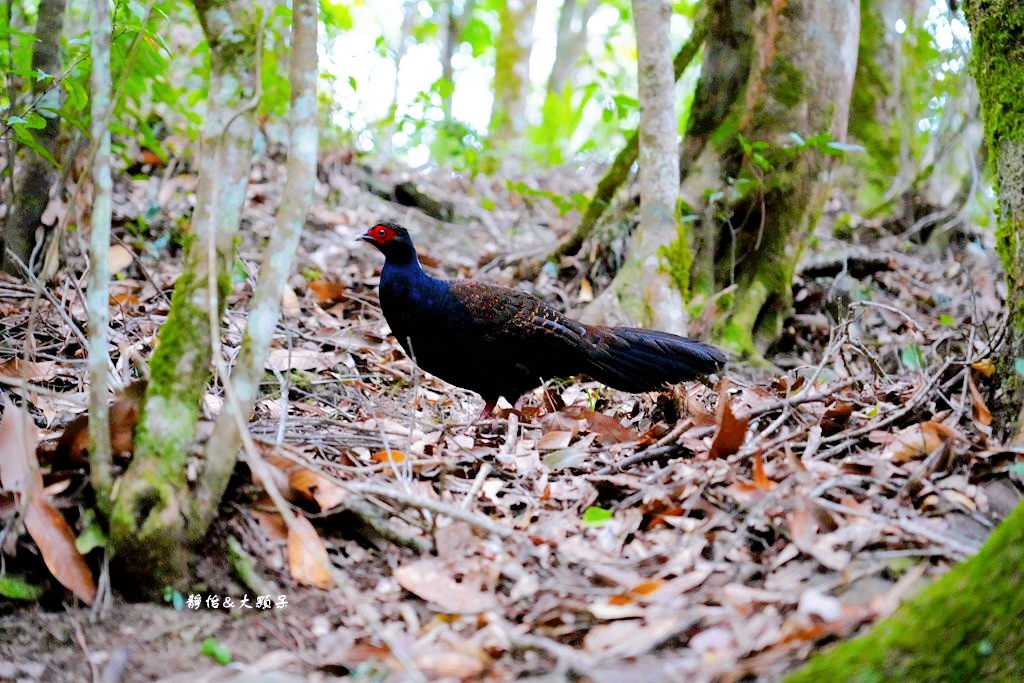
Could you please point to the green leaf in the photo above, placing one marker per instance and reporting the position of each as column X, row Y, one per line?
column 216, row 651
column 947, row 320
column 26, row 138
column 596, row 517
column 1017, row 468
column 1018, row 365
column 912, row 357
column 92, row 537
column 13, row 588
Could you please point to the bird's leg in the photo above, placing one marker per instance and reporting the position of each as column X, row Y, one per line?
column 488, row 409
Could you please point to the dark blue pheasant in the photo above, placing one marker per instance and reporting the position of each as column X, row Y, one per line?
column 498, row 341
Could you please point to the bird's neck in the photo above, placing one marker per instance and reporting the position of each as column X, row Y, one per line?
column 403, row 278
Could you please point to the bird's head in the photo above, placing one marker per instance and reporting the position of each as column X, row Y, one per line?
column 392, row 239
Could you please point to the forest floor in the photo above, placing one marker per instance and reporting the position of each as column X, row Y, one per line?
column 706, row 533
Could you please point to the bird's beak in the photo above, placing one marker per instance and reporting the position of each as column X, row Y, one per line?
column 365, row 237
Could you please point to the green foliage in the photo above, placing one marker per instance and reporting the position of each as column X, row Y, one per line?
column 216, row 651
column 15, row 588
column 677, row 259
column 561, row 202
column 174, row 598
column 596, row 517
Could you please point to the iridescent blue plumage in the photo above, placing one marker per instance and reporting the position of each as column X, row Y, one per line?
column 498, row 341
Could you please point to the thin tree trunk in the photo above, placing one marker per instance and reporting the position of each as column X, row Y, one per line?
column 149, row 525
column 618, row 172
column 455, row 23
column 512, row 71
column 35, row 175
column 643, row 287
column 99, row 246
column 571, row 39
column 222, row 448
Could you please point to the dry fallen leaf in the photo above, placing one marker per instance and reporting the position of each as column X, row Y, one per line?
column 458, row 591
column 307, row 556
column 291, row 307
column 917, row 441
column 30, row 370
column 326, row 291
column 19, row 473
column 731, row 431
column 119, row 258
column 981, row 412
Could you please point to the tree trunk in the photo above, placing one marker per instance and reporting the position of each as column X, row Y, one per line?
column 571, row 39
column 642, row 297
column 36, row 175
column 752, row 189
column 149, row 522
column 512, row 71
column 454, row 25
column 997, row 29
column 222, row 448
column 803, row 63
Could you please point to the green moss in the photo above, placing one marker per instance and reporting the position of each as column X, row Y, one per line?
column 677, row 259
column 996, row 28
column 786, row 82
column 964, row 627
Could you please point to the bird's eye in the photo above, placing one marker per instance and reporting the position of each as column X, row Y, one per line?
column 381, row 232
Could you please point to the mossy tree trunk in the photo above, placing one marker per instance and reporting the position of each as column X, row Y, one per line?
column 964, row 627
column 752, row 190
column 151, row 526
column 659, row 183
column 35, row 174
column 767, row 192
column 967, row 625
column 997, row 29
column 512, row 71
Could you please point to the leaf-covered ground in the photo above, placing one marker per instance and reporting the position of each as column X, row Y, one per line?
column 708, row 533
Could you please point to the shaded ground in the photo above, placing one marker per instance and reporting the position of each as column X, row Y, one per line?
column 705, row 533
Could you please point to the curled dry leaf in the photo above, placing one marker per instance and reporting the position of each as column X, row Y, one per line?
column 731, row 431
column 19, row 473
column 981, row 412
column 307, row 556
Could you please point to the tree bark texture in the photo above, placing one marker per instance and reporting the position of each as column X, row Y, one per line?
column 642, row 290
column 997, row 63
column 150, row 525
column 99, row 248
column 35, row 175
column 571, row 39
column 755, row 209
column 222, row 448
column 512, row 71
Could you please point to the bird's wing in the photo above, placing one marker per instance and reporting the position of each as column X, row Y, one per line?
column 501, row 314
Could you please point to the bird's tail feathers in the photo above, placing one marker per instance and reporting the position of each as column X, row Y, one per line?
column 636, row 360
